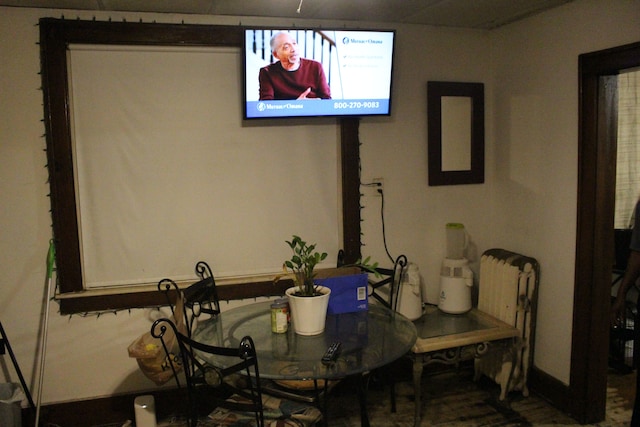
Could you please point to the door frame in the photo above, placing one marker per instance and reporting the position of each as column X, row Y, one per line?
column 594, row 241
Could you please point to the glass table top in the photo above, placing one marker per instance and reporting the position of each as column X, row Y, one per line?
column 370, row 339
column 437, row 330
column 435, row 323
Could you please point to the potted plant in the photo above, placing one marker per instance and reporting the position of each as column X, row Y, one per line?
column 302, row 265
column 308, row 301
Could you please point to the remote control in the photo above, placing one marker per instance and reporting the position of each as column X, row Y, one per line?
column 332, row 353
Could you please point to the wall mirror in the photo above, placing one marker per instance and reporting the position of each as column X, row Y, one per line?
column 456, row 133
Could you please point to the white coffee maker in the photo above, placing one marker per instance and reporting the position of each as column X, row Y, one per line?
column 456, row 278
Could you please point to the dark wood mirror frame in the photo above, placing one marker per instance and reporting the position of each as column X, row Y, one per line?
column 435, row 92
column 55, row 37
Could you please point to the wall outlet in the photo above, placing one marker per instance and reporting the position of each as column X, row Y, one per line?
column 374, row 188
column 378, row 186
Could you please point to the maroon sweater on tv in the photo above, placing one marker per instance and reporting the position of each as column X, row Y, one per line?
column 278, row 83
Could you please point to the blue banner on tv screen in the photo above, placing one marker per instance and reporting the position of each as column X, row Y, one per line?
column 317, row 107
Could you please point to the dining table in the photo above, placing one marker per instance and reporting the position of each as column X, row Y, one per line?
column 370, row 339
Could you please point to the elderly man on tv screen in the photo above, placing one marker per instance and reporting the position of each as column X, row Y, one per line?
column 292, row 77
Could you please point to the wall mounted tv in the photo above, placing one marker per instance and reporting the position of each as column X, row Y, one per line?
column 317, row 72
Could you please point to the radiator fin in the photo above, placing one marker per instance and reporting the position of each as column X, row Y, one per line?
column 508, row 291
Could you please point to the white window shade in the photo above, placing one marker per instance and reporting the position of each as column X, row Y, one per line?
column 167, row 174
column 628, row 148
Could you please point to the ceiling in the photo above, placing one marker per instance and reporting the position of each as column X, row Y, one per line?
column 477, row 14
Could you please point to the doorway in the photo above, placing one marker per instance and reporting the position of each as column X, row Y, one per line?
column 623, row 354
column 596, row 200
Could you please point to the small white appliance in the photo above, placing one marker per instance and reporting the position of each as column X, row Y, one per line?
column 456, row 278
column 410, row 297
column 145, row 410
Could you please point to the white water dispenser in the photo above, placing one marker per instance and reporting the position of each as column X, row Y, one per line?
column 456, row 278
column 410, row 297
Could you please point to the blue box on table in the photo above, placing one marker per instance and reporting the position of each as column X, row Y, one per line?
column 349, row 293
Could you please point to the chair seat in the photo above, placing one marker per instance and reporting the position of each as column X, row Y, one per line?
column 277, row 413
column 298, row 390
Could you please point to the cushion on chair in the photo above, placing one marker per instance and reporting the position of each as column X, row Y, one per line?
column 304, row 413
column 277, row 413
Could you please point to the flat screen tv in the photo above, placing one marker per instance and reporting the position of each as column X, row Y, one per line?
column 317, row 72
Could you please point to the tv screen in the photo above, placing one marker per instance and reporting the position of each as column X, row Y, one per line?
column 317, row 72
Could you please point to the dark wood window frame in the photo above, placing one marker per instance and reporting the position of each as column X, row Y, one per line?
column 55, row 37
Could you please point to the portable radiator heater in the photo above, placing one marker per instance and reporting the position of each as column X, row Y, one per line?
column 508, row 288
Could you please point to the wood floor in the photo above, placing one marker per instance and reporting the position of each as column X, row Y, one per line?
column 452, row 398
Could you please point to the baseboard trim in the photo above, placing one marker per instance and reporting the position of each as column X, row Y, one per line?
column 551, row 389
column 107, row 410
column 170, row 401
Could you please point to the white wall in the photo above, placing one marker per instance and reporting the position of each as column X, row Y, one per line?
column 536, row 151
column 396, row 150
column 528, row 201
column 533, row 93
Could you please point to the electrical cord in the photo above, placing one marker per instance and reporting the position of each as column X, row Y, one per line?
column 384, row 233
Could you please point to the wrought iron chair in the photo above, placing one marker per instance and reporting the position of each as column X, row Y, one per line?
column 386, row 292
column 204, row 292
column 230, row 396
column 205, row 382
column 200, row 298
column 200, row 302
column 392, row 279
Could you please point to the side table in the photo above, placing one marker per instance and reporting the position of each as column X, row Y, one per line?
column 451, row 338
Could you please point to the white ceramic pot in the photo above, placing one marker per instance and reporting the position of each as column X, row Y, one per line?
column 308, row 314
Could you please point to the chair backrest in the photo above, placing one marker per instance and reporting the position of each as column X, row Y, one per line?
column 392, row 277
column 210, row 387
column 204, row 292
column 199, row 298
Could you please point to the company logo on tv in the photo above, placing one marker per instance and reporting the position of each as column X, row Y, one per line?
column 350, row 40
